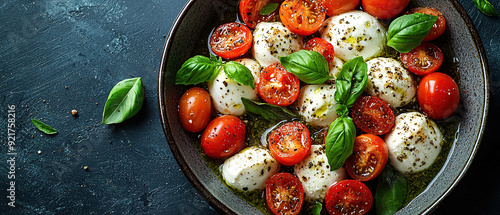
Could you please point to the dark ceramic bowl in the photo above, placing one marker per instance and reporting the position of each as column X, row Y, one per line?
column 196, row 20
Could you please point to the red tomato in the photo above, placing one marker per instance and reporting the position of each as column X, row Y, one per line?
column 303, row 17
column 336, row 7
column 322, row 46
column 384, row 9
column 368, row 158
column 231, row 40
column 290, row 143
column 195, row 108
column 438, row 95
column 249, row 12
column 372, row 115
column 424, row 59
column 223, row 137
column 348, row 197
column 284, row 194
column 438, row 27
column 277, row 86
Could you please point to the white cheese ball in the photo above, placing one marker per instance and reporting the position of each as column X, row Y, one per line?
column 315, row 175
column 354, row 34
column 316, row 104
column 390, row 81
column 272, row 40
column 249, row 169
column 226, row 93
column 413, row 143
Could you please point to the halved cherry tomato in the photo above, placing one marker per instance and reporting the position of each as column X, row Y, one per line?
column 277, row 86
column 438, row 95
column 336, row 7
column 249, row 12
column 323, row 47
column 290, row 143
column 284, row 194
column 303, row 17
column 372, row 115
column 195, row 108
column 424, row 59
column 368, row 158
column 231, row 40
column 438, row 27
column 384, row 9
column 223, row 137
column 348, row 197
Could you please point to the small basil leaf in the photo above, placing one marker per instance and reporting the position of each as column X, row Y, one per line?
column 124, row 101
column 342, row 110
column 317, row 208
column 339, row 141
column 268, row 111
column 408, row 31
column 269, row 8
column 351, row 81
column 391, row 192
column 486, row 7
column 309, row 66
column 43, row 127
column 197, row 69
column 239, row 73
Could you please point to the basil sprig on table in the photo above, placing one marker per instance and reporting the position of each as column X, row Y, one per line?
column 408, row 31
column 350, row 83
column 391, row 192
column 309, row 66
column 486, row 7
column 268, row 111
column 43, row 127
column 269, row 8
column 124, row 101
column 199, row 69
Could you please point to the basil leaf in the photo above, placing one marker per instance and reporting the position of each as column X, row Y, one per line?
column 269, row 8
column 124, row 101
column 43, row 127
column 339, row 141
column 268, row 111
column 351, row 81
column 309, row 66
column 486, row 7
column 408, row 31
column 198, row 69
column 317, row 208
column 239, row 73
column 391, row 192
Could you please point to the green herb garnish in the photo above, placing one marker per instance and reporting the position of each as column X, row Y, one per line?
column 408, row 31
column 124, row 101
column 309, row 66
column 43, row 127
column 486, row 7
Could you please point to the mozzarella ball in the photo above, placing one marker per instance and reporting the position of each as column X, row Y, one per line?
column 390, row 81
column 354, row 34
column 272, row 40
column 316, row 104
column 249, row 169
column 315, row 175
column 413, row 143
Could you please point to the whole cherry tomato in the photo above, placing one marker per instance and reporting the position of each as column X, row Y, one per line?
column 438, row 27
column 195, row 108
column 223, row 137
column 438, row 95
column 384, row 9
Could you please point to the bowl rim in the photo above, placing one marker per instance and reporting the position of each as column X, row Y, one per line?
column 221, row 207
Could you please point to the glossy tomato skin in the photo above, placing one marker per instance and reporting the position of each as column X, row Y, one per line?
column 231, row 40
column 424, row 59
column 336, row 7
column 368, row 158
column 284, row 194
column 195, row 108
column 249, row 12
column 348, row 197
column 223, row 137
column 384, row 9
column 372, row 115
column 323, row 47
column 438, row 95
column 277, row 86
column 290, row 143
column 438, row 27
column 303, row 17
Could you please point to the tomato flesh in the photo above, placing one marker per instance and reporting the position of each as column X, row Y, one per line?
column 372, row 115
column 384, row 9
column 438, row 27
column 438, row 95
column 290, row 143
column 249, row 12
column 303, row 17
column 223, row 137
column 368, row 158
column 284, row 194
column 277, row 86
column 424, row 59
column 321, row 46
column 231, row 40
column 348, row 197
column 339, row 6
column 195, row 108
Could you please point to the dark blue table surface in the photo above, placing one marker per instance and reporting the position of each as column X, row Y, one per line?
column 60, row 55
